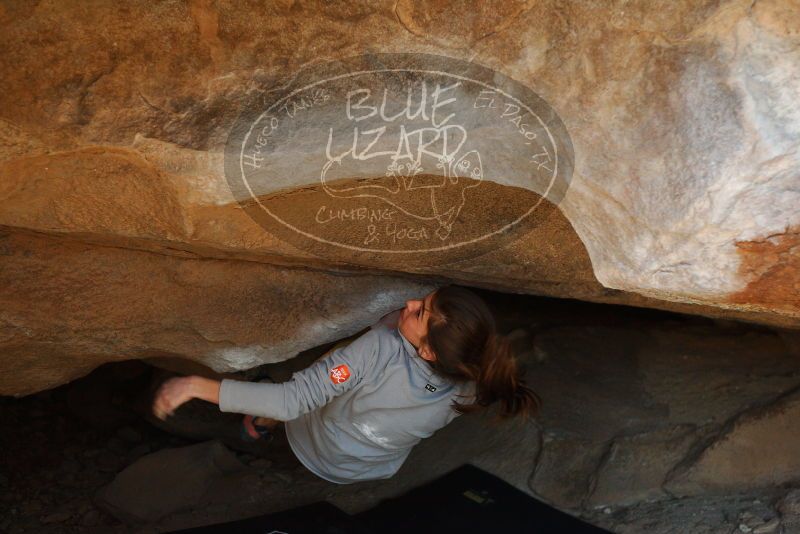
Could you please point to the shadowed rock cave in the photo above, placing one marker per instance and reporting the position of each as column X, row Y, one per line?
column 652, row 421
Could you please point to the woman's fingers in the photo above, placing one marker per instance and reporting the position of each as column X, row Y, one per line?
column 162, row 410
column 160, row 407
column 170, row 395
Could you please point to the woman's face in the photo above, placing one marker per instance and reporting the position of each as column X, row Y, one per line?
column 413, row 323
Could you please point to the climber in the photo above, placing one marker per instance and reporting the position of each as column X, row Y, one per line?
column 358, row 411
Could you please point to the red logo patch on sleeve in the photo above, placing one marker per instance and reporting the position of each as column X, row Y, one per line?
column 340, row 374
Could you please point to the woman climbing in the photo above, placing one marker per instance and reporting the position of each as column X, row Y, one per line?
column 357, row 412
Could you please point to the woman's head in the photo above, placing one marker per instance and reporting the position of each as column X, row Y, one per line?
column 454, row 330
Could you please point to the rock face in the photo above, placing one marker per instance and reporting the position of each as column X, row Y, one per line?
column 165, row 482
column 68, row 307
column 676, row 425
column 758, row 451
column 683, row 191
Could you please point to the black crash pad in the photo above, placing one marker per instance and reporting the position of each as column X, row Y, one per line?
column 469, row 500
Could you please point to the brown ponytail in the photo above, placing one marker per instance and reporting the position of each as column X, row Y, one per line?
column 463, row 335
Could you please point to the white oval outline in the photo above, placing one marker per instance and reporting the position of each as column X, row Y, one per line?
column 359, row 73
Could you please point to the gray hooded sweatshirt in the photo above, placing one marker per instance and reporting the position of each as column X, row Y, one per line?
column 356, row 413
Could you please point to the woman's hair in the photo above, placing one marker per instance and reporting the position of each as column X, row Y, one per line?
column 462, row 334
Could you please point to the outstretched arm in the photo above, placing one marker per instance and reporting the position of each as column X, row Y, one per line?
column 309, row 389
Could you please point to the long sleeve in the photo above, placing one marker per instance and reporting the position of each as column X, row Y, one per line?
column 338, row 372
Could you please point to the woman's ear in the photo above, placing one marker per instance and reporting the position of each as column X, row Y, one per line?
column 427, row 354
